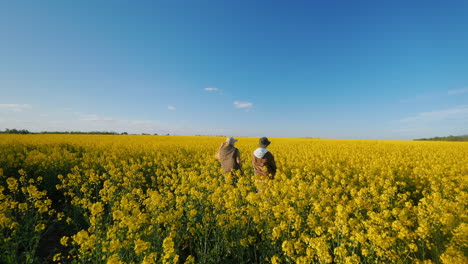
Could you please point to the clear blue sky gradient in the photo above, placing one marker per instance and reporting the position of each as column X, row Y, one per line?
column 326, row 69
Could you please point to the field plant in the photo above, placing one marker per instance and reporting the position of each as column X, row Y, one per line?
column 163, row 199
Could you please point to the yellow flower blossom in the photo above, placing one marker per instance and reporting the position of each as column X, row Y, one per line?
column 147, row 199
column 64, row 241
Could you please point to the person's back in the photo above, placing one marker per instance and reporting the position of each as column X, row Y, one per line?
column 263, row 161
column 229, row 156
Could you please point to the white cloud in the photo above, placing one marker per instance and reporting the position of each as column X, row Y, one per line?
column 456, row 113
column 450, row 121
column 458, row 91
column 433, row 96
column 171, row 108
column 15, row 107
column 211, row 89
column 243, row 105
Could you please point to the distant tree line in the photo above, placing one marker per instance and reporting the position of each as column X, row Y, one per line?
column 24, row 131
column 15, row 131
column 449, row 138
column 80, row 132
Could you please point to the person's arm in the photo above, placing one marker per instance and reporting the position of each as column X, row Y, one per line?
column 220, row 147
column 238, row 158
column 272, row 165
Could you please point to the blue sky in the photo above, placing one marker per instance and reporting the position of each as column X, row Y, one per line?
column 326, row 69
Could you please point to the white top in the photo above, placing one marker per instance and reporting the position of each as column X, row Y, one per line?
column 260, row 152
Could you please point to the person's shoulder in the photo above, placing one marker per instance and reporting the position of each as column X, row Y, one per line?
column 253, row 155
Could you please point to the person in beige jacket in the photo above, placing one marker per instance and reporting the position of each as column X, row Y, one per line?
column 230, row 159
column 263, row 161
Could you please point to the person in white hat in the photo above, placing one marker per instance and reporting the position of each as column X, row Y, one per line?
column 229, row 157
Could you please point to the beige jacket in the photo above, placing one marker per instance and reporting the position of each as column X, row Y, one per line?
column 228, row 157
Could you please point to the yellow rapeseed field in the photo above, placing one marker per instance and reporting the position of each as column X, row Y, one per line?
column 163, row 199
